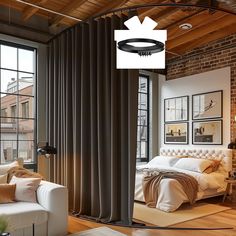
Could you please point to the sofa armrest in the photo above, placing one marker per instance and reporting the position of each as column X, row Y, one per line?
column 54, row 198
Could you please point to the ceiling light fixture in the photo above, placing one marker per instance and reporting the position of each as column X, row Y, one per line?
column 125, row 45
column 185, row 26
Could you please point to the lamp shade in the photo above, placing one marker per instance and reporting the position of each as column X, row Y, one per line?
column 44, row 150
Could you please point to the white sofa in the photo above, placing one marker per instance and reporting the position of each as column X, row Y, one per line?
column 48, row 217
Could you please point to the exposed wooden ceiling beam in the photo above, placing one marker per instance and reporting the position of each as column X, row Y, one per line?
column 30, row 11
column 201, row 31
column 75, row 4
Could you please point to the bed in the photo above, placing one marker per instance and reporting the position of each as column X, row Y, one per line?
column 170, row 192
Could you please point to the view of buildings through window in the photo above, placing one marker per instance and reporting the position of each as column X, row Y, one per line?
column 143, row 119
column 17, row 77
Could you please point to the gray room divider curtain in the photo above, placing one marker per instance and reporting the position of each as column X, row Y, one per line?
column 91, row 120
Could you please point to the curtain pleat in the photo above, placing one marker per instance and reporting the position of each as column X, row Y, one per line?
column 91, row 119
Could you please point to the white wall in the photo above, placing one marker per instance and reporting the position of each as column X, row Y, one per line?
column 199, row 83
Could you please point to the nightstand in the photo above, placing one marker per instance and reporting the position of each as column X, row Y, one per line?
column 230, row 183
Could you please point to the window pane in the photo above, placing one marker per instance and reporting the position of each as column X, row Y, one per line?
column 143, row 85
column 143, row 133
column 8, row 129
column 138, row 133
column 26, row 60
column 8, row 57
column 26, row 109
column 26, row 84
column 9, row 105
column 17, row 111
column 8, row 81
column 143, row 149
column 138, row 150
column 26, row 129
column 26, row 151
column 143, row 118
column 143, row 101
column 8, row 151
column 143, row 123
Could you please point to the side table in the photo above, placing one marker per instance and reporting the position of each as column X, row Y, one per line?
column 230, row 182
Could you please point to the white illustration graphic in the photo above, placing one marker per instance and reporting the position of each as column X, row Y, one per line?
column 140, row 47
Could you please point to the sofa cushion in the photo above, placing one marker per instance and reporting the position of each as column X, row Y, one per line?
column 7, row 193
column 25, row 188
column 23, row 214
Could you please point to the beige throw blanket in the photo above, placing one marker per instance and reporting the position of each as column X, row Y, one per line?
column 22, row 173
column 152, row 180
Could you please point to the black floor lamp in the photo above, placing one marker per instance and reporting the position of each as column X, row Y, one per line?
column 46, row 150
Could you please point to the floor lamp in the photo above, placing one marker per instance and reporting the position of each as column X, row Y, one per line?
column 47, row 151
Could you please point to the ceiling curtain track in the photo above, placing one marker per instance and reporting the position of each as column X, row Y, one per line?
column 91, row 120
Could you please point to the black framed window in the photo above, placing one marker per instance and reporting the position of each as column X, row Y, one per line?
column 17, row 103
column 143, row 120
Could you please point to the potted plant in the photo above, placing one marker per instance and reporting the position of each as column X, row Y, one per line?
column 3, row 226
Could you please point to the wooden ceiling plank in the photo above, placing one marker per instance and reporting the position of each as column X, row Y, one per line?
column 165, row 13
column 196, row 21
column 30, row 11
column 112, row 5
column 216, row 35
column 201, row 31
column 67, row 10
column 150, row 11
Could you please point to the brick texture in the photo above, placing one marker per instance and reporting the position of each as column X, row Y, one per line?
column 214, row 55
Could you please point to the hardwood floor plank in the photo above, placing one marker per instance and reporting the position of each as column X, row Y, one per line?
column 221, row 219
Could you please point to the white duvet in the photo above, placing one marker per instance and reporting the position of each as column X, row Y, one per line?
column 171, row 194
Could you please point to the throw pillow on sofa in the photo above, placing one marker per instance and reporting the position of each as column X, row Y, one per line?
column 7, row 193
column 25, row 188
column 5, row 167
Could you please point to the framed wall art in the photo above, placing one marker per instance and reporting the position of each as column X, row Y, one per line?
column 207, row 132
column 207, row 105
column 176, row 133
column 176, row 109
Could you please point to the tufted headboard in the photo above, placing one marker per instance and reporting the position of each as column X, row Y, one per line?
column 225, row 155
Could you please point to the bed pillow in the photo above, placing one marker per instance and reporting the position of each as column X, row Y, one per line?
column 193, row 164
column 3, row 179
column 163, row 161
column 26, row 188
column 7, row 193
column 4, row 168
column 213, row 167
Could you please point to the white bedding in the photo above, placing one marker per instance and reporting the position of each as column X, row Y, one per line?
column 171, row 194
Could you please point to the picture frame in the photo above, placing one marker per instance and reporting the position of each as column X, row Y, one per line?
column 176, row 109
column 176, row 133
column 208, row 132
column 207, row 105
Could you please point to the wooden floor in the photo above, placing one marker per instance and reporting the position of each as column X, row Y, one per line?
column 221, row 219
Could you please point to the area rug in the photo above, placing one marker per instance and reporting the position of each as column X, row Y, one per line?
column 100, row 231
column 186, row 213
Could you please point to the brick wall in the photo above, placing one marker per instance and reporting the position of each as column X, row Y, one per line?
column 214, row 55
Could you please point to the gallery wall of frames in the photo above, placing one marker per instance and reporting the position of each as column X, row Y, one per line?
column 205, row 120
